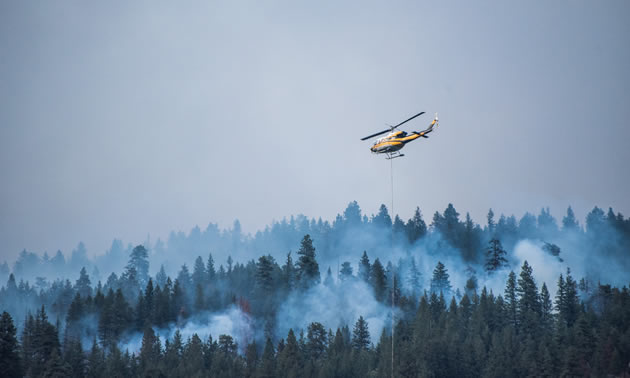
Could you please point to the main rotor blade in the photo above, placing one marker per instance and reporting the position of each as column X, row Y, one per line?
column 377, row 134
column 405, row 121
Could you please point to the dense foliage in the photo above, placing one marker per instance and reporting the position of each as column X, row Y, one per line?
column 86, row 329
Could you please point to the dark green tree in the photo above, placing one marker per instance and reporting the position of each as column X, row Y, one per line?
column 317, row 340
column 361, row 335
column 379, row 280
column 199, row 276
column 364, row 268
column 307, row 267
column 139, row 260
column 289, row 274
column 495, row 256
column 83, row 284
column 440, row 282
column 416, row 227
column 267, row 366
column 511, row 301
column 10, row 361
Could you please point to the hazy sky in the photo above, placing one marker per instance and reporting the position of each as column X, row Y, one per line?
column 122, row 119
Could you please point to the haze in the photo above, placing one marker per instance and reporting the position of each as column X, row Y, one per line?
column 128, row 119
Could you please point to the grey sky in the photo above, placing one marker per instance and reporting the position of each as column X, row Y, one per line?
column 120, row 119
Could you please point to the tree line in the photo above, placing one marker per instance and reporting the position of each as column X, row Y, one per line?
column 439, row 330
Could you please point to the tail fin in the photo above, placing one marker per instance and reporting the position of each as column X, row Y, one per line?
column 435, row 122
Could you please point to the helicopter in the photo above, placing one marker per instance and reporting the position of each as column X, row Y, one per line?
column 391, row 143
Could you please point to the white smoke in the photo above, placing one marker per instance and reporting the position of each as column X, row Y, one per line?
column 334, row 306
column 232, row 321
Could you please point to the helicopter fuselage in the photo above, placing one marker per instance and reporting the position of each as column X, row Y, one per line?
column 393, row 142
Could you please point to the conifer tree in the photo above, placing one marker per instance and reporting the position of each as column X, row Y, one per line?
column 416, row 227
column 83, row 284
column 199, row 276
column 139, row 260
column 74, row 315
column 317, row 340
column 95, row 361
column 364, row 268
column 307, row 267
column 511, row 300
column 361, row 335
column 379, row 280
column 210, row 271
column 413, row 277
column 289, row 274
column 529, row 307
column 440, row 282
column 491, row 225
column 267, row 366
column 345, row 273
column 160, row 277
column 495, row 256
column 10, row 364
column 569, row 222
column 567, row 301
column 546, row 307
column 264, row 274
column 289, row 358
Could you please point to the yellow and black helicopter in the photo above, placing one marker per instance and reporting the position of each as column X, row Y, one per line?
column 391, row 143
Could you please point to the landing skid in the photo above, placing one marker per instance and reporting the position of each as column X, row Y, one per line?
column 394, row 155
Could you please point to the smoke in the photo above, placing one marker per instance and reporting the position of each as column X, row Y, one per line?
column 333, row 306
column 232, row 321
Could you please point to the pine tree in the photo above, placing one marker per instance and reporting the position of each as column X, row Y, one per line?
column 74, row 315
column 495, row 256
column 317, row 340
column 200, row 298
column 511, row 301
column 440, row 282
column 470, row 239
column 139, row 260
column 264, row 275
column 382, row 219
column 413, row 277
column 567, row 301
column 267, row 366
column 251, row 359
column 416, row 227
column 160, row 277
column 569, row 222
column 289, row 358
column 361, row 335
column 95, row 362
column 491, row 225
column 352, row 214
column 288, row 271
column 529, row 308
column 546, row 307
column 83, row 284
column 210, row 271
column 379, row 280
column 364, row 268
column 10, row 362
column 74, row 358
column 199, row 276
column 307, row 267
column 55, row 366
column 345, row 274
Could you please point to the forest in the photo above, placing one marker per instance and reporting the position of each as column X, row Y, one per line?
column 361, row 296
